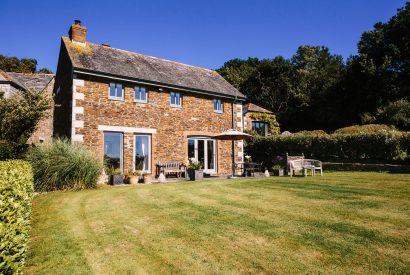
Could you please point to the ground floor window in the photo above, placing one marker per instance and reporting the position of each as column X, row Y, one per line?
column 203, row 150
column 113, row 155
column 259, row 127
column 142, row 152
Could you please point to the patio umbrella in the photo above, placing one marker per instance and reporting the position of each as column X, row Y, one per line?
column 232, row 135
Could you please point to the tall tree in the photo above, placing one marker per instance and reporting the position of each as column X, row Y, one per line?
column 380, row 73
column 23, row 65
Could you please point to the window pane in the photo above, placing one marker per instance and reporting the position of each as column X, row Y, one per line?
column 172, row 98
column 119, row 90
column 136, row 93
column 112, row 89
column 143, row 94
column 177, row 99
column 113, row 151
column 210, row 153
column 142, row 154
column 191, row 148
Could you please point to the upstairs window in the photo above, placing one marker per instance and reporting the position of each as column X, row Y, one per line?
column 218, row 106
column 140, row 94
column 176, row 99
column 259, row 127
column 116, row 91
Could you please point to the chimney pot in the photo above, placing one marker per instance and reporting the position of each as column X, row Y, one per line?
column 77, row 33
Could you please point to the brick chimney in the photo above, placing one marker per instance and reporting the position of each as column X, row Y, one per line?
column 77, row 32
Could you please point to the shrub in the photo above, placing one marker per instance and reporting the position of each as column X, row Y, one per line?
column 365, row 147
column 6, row 150
column 16, row 191
column 367, row 128
column 63, row 165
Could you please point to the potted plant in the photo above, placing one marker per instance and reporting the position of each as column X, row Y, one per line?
column 133, row 178
column 277, row 170
column 147, row 178
column 115, row 176
column 194, row 171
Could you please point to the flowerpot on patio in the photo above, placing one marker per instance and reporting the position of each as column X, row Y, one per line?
column 116, row 179
column 278, row 172
column 133, row 179
column 195, row 174
column 147, row 179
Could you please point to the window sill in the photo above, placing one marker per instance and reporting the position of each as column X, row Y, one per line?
column 141, row 101
column 218, row 112
column 176, row 106
column 116, row 98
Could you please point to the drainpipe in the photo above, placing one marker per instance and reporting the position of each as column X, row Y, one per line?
column 233, row 142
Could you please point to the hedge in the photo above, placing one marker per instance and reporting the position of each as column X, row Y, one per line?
column 385, row 147
column 16, row 192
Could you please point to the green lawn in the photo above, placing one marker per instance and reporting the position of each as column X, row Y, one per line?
column 338, row 223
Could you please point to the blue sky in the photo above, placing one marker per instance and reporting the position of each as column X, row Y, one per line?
column 204, row 33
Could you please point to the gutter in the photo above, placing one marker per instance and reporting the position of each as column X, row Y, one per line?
column 155, row 84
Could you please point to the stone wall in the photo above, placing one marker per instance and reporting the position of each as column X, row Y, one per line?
column 92, row 112
column 63, row 96
column 44, row 129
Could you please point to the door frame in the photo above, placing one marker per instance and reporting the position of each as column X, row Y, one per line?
column 205, row 139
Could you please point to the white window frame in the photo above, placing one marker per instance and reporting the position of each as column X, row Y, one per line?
column 149, row 151
column 146, row 94
column 215, row 149
column 180, row 100
column 116, row 97
column 121, row 147
column 265, row 124
column 221, row 105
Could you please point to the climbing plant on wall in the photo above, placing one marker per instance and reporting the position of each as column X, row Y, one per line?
column 270, row 119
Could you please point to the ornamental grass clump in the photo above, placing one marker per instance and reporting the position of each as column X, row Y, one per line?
column 62, row 165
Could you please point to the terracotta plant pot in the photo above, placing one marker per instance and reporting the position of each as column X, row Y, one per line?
column 147, row 179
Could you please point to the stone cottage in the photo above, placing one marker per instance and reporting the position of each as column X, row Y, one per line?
column 12, row 83
column 133, row 110
column 255, row 123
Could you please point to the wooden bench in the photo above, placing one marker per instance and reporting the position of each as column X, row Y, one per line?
column 304, row 165
column 170, row 167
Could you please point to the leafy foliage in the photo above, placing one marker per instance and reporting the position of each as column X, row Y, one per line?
column 364, row 129
column 16, row 192
column 396, row 113
column 270, row 119
column 371, row 87
column 63, row 165
column 20, row 114
column 387, row 147
column 23, row 65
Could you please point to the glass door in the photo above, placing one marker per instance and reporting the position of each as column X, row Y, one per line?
column 203, row 150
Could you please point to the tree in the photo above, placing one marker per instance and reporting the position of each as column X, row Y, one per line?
column 380, row 73
column 397, row 113
column 237, row 71
column 319, row 74
column 24, row 65
column 20, row 115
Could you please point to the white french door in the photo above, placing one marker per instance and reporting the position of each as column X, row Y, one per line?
column 203, row 150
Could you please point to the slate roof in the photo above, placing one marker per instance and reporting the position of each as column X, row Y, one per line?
column 33, row 81
column 250, row 107
column 115, row 62
column 9, row 79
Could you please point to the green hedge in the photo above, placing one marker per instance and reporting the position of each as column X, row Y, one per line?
column 386, row 147
column 16, row 192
